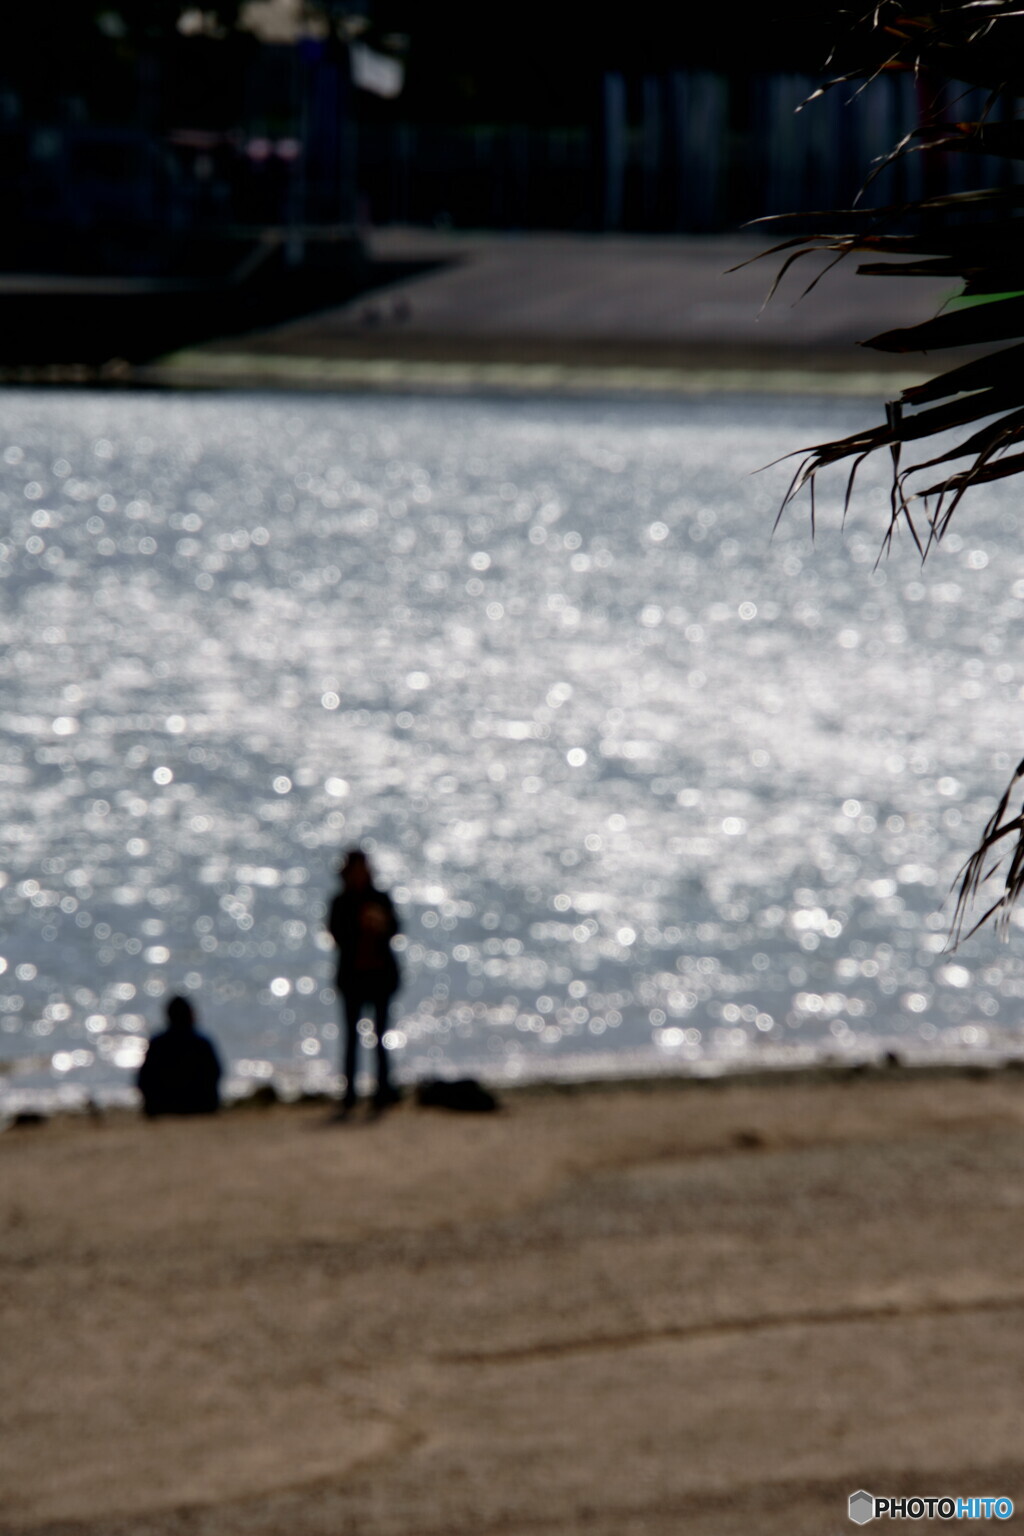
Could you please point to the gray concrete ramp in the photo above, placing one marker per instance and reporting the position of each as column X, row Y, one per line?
column 586, row 311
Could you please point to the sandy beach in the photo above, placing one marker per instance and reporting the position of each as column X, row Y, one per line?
column 713, row 1308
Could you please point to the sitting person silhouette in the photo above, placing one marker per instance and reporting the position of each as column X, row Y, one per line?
column 362, row 923
column 181, row 1072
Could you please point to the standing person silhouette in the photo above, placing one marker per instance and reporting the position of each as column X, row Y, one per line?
column 362, row 923
column 181, row 1073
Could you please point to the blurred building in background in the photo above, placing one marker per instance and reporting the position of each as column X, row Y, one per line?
column 193, row 148
column 226, row 147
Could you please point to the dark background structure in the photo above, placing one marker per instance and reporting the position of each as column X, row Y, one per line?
column 173, row 172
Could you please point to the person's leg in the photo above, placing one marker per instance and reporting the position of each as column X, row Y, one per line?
column 384, row 1091
column 351, row 1007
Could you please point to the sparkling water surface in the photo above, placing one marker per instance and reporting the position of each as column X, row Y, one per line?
column 649, row 787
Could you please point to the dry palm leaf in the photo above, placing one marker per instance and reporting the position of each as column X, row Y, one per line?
column 977, row 237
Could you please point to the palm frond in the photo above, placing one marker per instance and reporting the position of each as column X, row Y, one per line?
column 975, row 874
column 974, row 236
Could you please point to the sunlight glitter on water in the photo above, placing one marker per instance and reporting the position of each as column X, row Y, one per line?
column 649, row 788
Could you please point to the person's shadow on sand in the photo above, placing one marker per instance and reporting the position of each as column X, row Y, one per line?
column 181, row 1073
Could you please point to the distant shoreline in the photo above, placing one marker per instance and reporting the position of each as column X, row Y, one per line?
column 886, row 1067
column 445, row 311
column 495, row 369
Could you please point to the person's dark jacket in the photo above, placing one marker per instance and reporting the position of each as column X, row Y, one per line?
column 180, row 1075
column 362, row 925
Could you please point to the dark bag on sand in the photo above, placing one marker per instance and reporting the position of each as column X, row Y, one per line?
column 466, row 1095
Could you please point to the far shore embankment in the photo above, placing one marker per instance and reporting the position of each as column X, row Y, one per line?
column 578, row 315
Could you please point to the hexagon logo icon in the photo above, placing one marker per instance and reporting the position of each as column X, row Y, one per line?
column 862, row 1506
